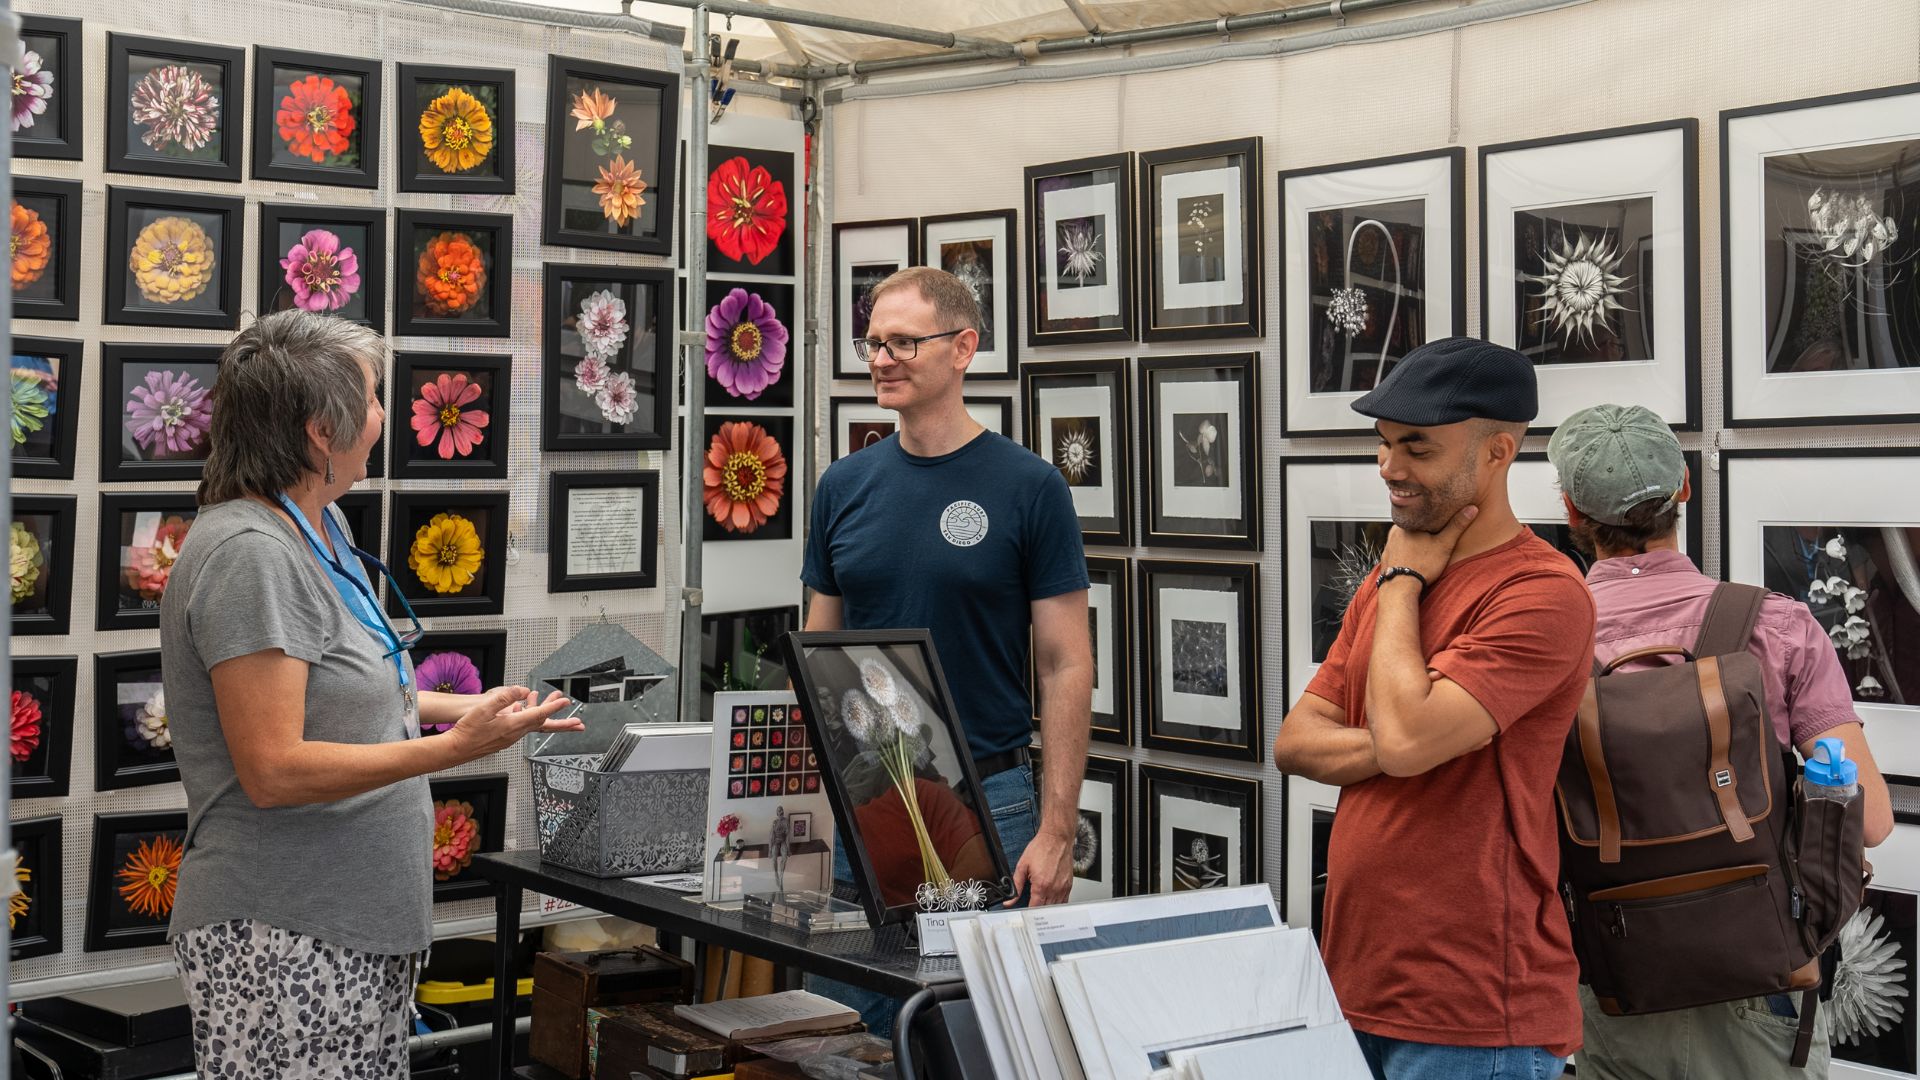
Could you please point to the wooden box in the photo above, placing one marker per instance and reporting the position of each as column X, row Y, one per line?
column 566, row 985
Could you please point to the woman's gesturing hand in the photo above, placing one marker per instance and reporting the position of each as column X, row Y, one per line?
column 501, row 716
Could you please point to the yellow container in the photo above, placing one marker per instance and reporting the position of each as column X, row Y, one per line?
column 458, row 993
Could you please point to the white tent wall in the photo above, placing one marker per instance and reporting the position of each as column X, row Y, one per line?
column 1603, row 64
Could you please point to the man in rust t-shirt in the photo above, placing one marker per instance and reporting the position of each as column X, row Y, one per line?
column 1442, row 710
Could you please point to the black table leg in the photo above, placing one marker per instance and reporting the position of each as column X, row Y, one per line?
column 506, row 937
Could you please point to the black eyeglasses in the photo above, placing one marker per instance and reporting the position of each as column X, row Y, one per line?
column 900, row 348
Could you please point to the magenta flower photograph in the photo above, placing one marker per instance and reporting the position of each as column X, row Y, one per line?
column 445, row 416
column 327, row 260
column 157, row 411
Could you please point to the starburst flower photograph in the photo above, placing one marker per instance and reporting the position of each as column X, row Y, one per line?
column 132, row 878
column 610, row 140
column 1080, row 256
column 150, row 874
column 746, row 348
column 1580, row 277
column 744, row 479
column 748, row 216
column 455, row 423
column 1077, row 450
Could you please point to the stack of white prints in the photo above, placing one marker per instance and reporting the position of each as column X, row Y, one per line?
column 658, row 748
column 1328, row 1052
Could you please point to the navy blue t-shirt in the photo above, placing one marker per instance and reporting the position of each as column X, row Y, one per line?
column 960, row 544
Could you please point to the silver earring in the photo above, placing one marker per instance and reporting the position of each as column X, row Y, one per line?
column 329, row 470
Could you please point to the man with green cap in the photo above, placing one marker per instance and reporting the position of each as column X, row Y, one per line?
column 1624, row 480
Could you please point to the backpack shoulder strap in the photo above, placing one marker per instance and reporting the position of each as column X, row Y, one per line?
column 1731, row 613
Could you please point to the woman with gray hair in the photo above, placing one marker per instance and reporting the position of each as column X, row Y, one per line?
column 306, row 891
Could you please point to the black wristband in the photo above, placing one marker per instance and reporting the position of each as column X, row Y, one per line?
column 1392, row 572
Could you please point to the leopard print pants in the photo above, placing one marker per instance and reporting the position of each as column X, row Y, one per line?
column 272, row 1004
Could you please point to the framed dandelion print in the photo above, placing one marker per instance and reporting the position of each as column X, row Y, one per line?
column 606, row 380
column 454, row 130
column 749, row 331
column 316, row 118
column 172, row 259
column 460, row 662
column 453, row 274
column 140, row 538
column 40, row 551
column 1077, row 419
column 42, row 742
column 132, row 738
column 1110, row 628
column 453, row 420
column 611, row 134
column 156, row 410
column 48, row 119
column 448, row 552
column 1201, row 639
column 175, row 108
column 603, row 530
column 44, row 417
column 865, row 253
column 34, row 915
column 132, row 874
column 469, row 817
column 1202, row 830
column 1200, row 439
column 1820, row 259
column 978, row 248
column 1373, row 262
column 1875, row 1029
column 365, row 527
column 330, row 260
column 748, row 490
column 1080, row 251
column 1589, row 265
column 751, row 197
column 46, row 248
column 1201, row 226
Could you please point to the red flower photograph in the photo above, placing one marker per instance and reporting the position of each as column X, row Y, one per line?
column 747, row 210
column 316, row 119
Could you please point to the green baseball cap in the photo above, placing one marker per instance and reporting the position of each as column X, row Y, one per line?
column 1612, row 458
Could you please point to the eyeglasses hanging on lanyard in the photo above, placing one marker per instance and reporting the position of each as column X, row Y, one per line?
column 356, row 591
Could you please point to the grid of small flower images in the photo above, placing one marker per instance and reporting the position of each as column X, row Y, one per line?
column 769, row 754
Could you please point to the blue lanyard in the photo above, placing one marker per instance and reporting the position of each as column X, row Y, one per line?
column 355, row 589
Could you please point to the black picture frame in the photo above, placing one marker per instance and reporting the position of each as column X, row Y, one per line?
column 413, row 374
column 562, row 488
column 125, row 372
column 412, row 511
column 488, row 239
column 1161, row 523
column 121, row 590
column 49, row 601
column 366, row 305
column 1243, row 796
column 1247, row 318
column 999, row 408
column 729, row 636
column 1236, row 646
column 827, row 670
column 998, row 356
column 652, row 229
column 58, row 132
column 781, row 182
column 44, row 772
column 1107, row 469
column 431, row 82
column 37, row 849
column 485, row 650
column 727, row 432
column 1119, row 855
column 127, row 153
column 366, row 521
column 1116, row 632
column 112, row 922
column 1043, row 253
column 644, row 352
column 487, row 795
column 270, row 138
column 47, row 451
column 55, row 292
column 125, row 753
column 896, row 244
column 171, row 219
column 745, row 329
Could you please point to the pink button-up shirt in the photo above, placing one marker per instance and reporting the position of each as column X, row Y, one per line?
column 1660, row 598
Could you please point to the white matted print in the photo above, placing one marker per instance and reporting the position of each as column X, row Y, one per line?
column 1082, row 272
column 1202, row 830
column 1110, row 628
column 1102, row 848
column 978, row 249
column 1202, row 646
column 1204, row 210
column 1100, row 612
column 1202, row 444
column 865, row 253
column 1076, row 419
column 1201, row 431
column 1197, row 631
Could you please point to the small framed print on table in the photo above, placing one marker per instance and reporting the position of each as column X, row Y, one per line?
column 47, row 232
column 454, row 130
column 1076, row 412
column 610, row 150
column 1080, row 251
column 175, row 108
column 606, row 367
column 132, row 738
column 1820, row 260
column 1200, row 440
column 140, row 539
column 34, row 913
column 48, row 118
column 1590, row 265
column 603, row 530
column 453, row 274
column 40, row 550
column 1202, row 830
column 448, row 551
column 1110, row 626
column 132, row 877
column 469, row 817
column 156, row 410
column 978, row 249
column 457, row 411
column 316, row 119
column 1201, row 636
column 865, row 253
column 1201, row 224
column 326, row 259
column 42, row 741
column 172, row 259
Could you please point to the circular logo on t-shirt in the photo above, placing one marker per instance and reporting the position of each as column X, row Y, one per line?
column 963, row 523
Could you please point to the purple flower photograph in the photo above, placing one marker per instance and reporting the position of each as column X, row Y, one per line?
column 156, row 415
column 169, row 414
column 748, row 345
column 328, row 260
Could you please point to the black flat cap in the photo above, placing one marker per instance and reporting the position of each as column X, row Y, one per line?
column 1455, row 379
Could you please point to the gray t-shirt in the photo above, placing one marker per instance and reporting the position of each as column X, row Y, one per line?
column 357, row 872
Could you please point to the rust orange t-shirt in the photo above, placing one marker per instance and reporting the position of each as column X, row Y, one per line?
column 1443, row 919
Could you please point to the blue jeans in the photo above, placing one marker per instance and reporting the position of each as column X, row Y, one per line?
column 1397, row 1059
column 1016, row 816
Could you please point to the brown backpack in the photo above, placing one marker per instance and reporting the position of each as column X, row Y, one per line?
column 1692, row 869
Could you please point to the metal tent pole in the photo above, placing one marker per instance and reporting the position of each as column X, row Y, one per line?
column 9, row 44
column 693, row 366
column 820, row 20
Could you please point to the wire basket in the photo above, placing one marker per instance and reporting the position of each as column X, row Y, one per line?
column 619, row 824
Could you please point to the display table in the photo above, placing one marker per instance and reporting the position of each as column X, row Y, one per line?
column 879, row 960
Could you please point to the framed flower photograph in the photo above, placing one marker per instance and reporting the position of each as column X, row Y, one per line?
column 978, row 248
column 42, row 743
column 44, row 417
column 1590, row 265
column 448, row 551
column 364, row 522
column 172, row 259
column 752, row 196
column 1306, row 822
column 175, row 108
column 34, row 913
column 1200, row 634
column 1077, row 418
column 750, row 344
column 449, row 416
column 603, row 530
column 132, row 738
column 607, row 358
column 326, row 259
column 1202, row 830
column 460, row 662
column 131, row 878
column 1080, row 251
column 1373, row 263
column 156, row 410
column 740, row 650
column 865, row 253
column 1876, row 1034
column 1200, row 223
column 1110, row 627
column 1103, row 837
column 140, row 539
column 611, row 138
column 1819, row 254
column 454, row 130
column 748, row 492
column 46, row 248
column 49, row 70
column 40, row 552
column 469, row 817
column 1200, row 440
column 316, row 118
column 453, row 274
